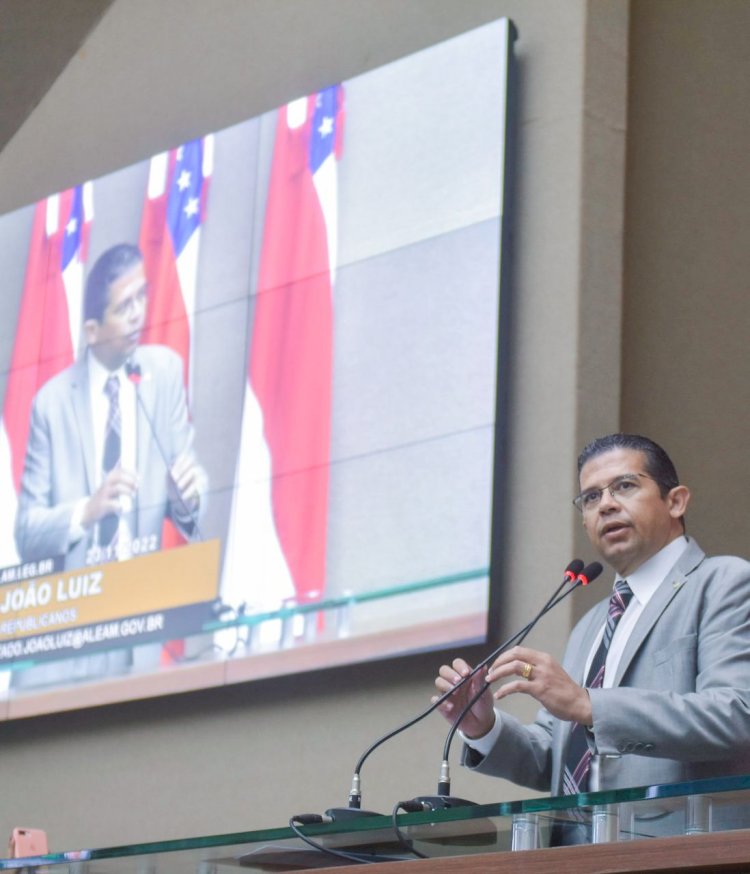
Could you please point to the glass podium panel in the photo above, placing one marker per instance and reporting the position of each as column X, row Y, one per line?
column 628, row 815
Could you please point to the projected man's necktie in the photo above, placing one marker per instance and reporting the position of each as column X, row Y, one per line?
column 578, row 756
column 111, row 456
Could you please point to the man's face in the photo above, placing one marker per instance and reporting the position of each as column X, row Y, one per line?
column 115, row 338
column 628, row 530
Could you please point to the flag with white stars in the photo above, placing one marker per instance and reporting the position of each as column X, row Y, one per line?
column 173, row 211
column 276, row 548
column 47, row 332
column 170, row 239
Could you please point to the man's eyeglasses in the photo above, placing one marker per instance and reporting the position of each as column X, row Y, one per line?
column 621, row 489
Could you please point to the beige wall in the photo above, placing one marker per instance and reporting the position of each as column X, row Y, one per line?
column 250, row 756
column 687, row 264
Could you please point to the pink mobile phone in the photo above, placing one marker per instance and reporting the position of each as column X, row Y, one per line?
column 27, row 842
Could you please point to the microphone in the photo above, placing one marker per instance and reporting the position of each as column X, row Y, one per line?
column 133, row 372
column 577, row 576
column 134, row 375
column 590, row 573
column 571, row 575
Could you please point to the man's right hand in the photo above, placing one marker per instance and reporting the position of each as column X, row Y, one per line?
column 481, row 718
column 117, row 484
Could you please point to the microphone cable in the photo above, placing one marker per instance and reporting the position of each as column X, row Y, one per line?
column 311, row 818
column 412, row 806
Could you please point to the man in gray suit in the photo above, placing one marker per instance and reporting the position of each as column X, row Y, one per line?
column 110, row 452
column 670, row 698
column 68, row 493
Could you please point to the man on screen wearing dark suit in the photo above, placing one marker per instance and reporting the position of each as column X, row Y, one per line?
column 654, row 685
column 110, row 451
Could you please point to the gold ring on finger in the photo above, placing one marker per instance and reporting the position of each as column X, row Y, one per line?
column 526, row 672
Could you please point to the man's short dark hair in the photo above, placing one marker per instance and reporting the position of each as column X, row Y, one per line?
column 109, row 267
column 659, row 465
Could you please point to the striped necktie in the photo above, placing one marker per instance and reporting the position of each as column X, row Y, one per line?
column 111, row 455
column 578, row 756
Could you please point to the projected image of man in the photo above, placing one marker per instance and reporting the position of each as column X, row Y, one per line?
column 110, row 452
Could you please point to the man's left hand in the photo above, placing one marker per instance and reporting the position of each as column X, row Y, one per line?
column 184, row 483
column 540, row 676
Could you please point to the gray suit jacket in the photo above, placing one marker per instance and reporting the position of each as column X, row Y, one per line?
column 59, row 468
column 680, row 708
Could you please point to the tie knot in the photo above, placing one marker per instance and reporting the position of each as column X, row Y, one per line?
column 622, row 594
column 112, row 387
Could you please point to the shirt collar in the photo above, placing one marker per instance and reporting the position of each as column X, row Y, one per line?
column 646, row 579
column 98, row 373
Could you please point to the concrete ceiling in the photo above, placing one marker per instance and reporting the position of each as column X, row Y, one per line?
column 37, row 39
column 88, row 86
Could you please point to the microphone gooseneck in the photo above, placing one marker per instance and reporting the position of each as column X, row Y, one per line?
column 577, row 575
column 571, row 575
column 582, row 578
column 134, row 374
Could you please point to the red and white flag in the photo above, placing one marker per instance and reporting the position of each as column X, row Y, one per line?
column 169, row 241
column 47, row 332
column 276, row 549
column 173, row 213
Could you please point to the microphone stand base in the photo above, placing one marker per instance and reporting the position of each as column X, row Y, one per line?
column 441, row 802
column 342, row 814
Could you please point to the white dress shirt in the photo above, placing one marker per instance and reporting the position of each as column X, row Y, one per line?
column 99, row 406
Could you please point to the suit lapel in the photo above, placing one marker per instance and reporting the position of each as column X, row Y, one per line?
column 145, row 412
column 84, row 423
column 589, row 635
column 670, row 588
column 576, row 667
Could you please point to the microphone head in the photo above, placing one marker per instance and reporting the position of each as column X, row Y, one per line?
column 590, row 573
column 573, row 569
column 133, row 371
